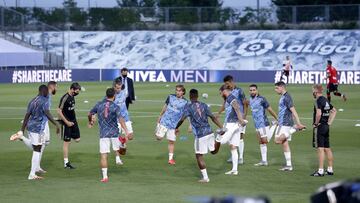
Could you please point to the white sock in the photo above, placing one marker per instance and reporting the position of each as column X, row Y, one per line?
column 235, row 158
column 117, row 159
column 34, row 162
column 263, row 150
column 330, row 169
column 321, row 171
column 66, row 160
column 204, row 174
column 241, row 149
column 41, row 153
column 171, row 156
column 104, row 172
column 288, row 158
column 27, row 142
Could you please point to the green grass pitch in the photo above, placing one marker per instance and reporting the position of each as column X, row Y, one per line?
column 146, row 176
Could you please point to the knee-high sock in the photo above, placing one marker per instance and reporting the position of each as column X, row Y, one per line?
column 35, row 162
column 288, row 158
column 241, row 149
column 235, row 157
column 41, row 153
column 263, row 150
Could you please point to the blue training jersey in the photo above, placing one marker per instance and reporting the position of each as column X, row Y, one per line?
column 285, row 115
column 258, row 105
column 120, row 99
column 108, row 117
column 198, row 113
column 240, row 96
column 230, row 114
column 37, row 108
column 174, row 111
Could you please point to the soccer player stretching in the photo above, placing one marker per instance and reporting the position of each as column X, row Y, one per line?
column 324, row 115
column 258, row 105
column 66, row 112
column 332, row 85
column 233, row 123
column 198, row 112
column 35, row 119
column 108, row 117
column 120, row 100
column 169, row 116
column 52, row 87
column 243, row 106
column 285, row 117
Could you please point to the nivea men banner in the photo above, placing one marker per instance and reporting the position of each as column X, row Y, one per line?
column 176, row 76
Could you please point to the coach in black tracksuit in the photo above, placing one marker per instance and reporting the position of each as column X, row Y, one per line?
column 324, row 114
column 128, row 86
column 70, row 128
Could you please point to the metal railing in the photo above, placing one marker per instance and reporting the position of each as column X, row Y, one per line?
column 21, row 29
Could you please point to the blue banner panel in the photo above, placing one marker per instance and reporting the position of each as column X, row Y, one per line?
column 178, row 76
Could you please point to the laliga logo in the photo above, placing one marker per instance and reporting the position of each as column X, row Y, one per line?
column 261, row 46
column 255, row 47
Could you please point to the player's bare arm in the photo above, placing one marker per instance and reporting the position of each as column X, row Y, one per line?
column 216, row 121
column 332, row 116
column 52, row 120
column 180, row 123
column 236, row 107
column 272, row 112
column 91, row 120
column 222, row 109
column 26, row 120
column 296, row 117
column 123, row 126
column 62, row 117
column 162, row 112
column 317, row 117
column 246, row 107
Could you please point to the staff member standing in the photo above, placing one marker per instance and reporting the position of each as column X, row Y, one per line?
column 128, row 87
column 324, row 114
column 66, row 112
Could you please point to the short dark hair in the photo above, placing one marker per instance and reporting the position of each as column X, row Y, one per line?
column 329, row 62
column 228, row 78
column 110, row 92
column 280, row 84
column 182, row 88
column 253, row 85
column 51, row 83
column 117, row 81
column 42, row 87
column 224, row 87
column 193, row 93
column 75, row 86
column 124, row 69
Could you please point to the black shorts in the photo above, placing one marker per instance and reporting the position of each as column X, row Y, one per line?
column 69, row 133
column 321, row 136
column 332, row 87
column 286, row 72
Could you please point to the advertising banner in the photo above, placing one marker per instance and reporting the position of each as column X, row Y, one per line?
column 177, row 76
